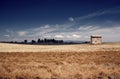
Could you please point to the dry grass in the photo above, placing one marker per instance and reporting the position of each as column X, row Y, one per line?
column 5, row 47
column 100, row 63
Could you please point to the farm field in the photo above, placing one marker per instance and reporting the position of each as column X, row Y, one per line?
column 80, row 61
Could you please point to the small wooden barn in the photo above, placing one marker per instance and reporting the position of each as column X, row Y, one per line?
column 96, row 39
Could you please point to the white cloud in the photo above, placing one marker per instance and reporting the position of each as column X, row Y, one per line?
column 82, row 33
column 87, row 28
column 71, row 31
column 59, row 36
column 99, row 13
column 22, row 33
column 46, row 26
column 71, row 19
column 108, row 33
column 48, row 36
column 7, row 35
column 76, row 36
column 9, row 31
column 68, row 36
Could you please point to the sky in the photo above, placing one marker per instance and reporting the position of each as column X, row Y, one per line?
column 74, row 20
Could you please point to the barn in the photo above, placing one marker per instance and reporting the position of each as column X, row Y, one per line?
column 96, row 39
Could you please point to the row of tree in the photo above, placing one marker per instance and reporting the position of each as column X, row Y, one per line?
column 44, row 41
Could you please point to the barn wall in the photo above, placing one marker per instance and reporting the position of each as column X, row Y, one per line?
column 96, row 40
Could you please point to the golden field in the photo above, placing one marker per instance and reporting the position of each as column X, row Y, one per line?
column 80, row 61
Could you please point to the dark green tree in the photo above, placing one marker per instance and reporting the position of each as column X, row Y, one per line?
column 25, row 41
column 33, row 41
column 39, row 40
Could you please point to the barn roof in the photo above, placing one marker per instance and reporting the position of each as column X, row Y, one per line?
column 96, row 36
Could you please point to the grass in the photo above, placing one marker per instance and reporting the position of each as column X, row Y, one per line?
column 103, row 62
column 60, row 65
column 4, row 47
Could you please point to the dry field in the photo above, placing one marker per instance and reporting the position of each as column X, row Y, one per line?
column 82, row 61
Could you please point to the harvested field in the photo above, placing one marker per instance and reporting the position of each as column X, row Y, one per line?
column 66, row 62
column 5, row 47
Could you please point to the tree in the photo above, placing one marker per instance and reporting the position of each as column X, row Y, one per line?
column 39, row 40
column 33, row 41
column 25, row 41
column 45, row 40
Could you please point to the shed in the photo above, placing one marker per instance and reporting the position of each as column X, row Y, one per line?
column 96, row 39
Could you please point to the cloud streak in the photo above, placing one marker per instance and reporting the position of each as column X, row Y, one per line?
column 80, row 33
column 72, row 30
column 7, row 35
column 99, row 13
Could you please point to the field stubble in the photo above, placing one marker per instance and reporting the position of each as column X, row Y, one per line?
column 100, row 64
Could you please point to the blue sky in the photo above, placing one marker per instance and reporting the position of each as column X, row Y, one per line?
column 59, row 19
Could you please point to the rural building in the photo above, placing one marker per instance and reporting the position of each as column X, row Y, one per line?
column 96, row 39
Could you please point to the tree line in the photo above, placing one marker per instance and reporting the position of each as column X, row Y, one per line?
column 41, row 41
